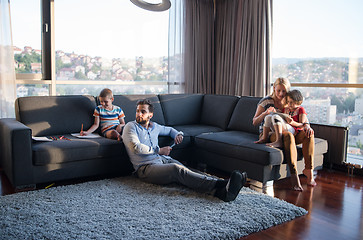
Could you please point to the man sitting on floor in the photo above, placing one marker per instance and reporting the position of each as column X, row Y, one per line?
column 152, row 164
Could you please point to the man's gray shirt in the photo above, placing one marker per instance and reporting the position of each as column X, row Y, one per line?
column 142, row 144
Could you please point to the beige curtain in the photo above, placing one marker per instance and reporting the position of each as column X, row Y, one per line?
column 243, row 42
column 7, row 71
column 199, row 46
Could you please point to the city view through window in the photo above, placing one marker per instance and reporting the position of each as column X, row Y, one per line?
column 324, row 105
column 125, row 46
column 71, row 66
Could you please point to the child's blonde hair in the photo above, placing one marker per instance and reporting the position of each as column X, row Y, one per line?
column 281, row 81
column 106, row 92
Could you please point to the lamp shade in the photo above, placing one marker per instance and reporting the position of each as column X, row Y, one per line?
column 156, row 7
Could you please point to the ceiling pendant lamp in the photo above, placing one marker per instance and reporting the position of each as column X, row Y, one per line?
column 156, row 7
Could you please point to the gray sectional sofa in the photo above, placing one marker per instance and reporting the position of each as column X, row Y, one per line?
column 218, row 132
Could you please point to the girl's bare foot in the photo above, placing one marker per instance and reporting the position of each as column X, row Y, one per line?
column 261, row 141
column 312, row 183
column 310, row 175
column 276, row 144
column 295, row 182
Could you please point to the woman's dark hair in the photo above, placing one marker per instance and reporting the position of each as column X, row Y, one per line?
column 146, row 102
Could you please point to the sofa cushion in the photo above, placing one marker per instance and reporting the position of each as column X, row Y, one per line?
column 217, row 110
column 167, row 141
column 239, row 145
column 128, row 104
column 194, row 130
column 53, row 115
column 62, row 151
column 190, row 131
column 181, row 109
column 243, row 114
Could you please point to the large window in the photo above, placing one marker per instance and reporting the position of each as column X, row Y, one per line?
column 92, row 45
column 318, row 46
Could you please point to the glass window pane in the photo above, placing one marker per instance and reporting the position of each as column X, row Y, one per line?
column 26, row 32
column 25, row 90
column 325, row 47
column 338, row 106
column 110, row 40
column 94, row 90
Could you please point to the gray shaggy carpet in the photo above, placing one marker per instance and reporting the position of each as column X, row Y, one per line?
column 126, row 208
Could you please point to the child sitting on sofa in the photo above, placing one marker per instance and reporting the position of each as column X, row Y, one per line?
column 109, row 116
column 292, row 119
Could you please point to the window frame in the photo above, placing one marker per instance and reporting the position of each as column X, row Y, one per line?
column 328, row 85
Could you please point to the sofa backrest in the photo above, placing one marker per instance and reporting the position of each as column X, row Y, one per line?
column 52, row 115
column 243, row 114
column 217, row 110
column 128, row 104
column 181, row 109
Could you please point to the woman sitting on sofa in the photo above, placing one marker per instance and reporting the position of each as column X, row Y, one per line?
column 275, row 103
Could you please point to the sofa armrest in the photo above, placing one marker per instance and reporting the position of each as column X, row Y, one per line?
column 16, row 152
column 337, row 137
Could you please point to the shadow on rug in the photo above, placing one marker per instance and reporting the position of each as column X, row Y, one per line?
column 126, row 208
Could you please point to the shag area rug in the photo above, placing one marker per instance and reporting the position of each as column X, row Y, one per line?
column 126, row 208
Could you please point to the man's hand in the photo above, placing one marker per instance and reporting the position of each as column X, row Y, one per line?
column 178, row 139
column 165, row 151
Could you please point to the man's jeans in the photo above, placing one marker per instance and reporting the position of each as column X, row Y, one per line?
column 171, row 171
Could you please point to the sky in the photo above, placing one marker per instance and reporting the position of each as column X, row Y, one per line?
column 117, row 28
column 112, row 28
column 317, row 28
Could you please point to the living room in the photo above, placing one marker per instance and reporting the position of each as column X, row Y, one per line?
column 135, row 51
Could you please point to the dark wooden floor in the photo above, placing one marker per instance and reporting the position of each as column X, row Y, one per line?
column 335, row 208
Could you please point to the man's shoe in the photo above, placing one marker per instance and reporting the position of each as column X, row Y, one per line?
column 244, row 178
column 234, row 185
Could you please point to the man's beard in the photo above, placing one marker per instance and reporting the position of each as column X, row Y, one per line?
column 141, row 121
